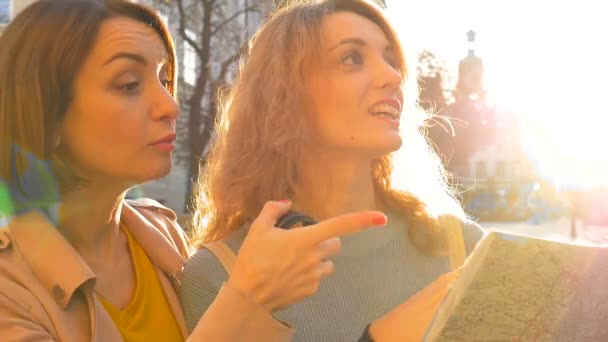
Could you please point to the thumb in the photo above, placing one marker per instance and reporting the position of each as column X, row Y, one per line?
column 270, row 214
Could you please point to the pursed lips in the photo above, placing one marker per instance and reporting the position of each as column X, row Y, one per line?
column 167, row 139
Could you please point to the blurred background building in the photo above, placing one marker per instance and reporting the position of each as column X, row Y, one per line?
column 480, row 144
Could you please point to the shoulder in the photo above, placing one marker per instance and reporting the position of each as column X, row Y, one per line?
column 21, row 293
column 151, row 206
column 11, row 260
column 469, row 227
column 203, row 264
column 472, row 233
column 163, row 219
column 472, row 229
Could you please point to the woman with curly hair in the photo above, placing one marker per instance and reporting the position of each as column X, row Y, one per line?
column 323, row 112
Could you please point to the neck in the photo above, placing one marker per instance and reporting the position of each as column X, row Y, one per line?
column 329, row 185
column 89, row 218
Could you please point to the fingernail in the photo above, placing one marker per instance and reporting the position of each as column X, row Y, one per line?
column 285, row 201
column 379, row 219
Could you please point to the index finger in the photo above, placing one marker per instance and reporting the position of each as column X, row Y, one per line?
column 343, row 224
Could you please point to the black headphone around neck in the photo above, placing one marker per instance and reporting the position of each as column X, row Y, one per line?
column 292, row 218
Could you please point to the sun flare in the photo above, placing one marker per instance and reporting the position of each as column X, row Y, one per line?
column 543, row 62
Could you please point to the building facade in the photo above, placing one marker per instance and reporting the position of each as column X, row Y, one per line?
column 485, row 152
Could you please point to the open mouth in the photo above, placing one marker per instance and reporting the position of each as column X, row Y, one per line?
column 386, row 111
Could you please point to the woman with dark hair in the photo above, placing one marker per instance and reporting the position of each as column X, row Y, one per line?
column 87, row 111
column 324, row 113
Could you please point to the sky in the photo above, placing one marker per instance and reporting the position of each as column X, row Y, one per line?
column 545, row 61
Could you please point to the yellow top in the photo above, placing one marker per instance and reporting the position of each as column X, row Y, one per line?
column 148, row 316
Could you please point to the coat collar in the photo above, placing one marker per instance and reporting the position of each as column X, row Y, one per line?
column 58, row 266
column 62, row 270
column 149, row 223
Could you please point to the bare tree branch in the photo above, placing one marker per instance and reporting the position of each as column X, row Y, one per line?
column 219, row 26
column 216, row 7
column 217, row 41
column 226, row 64
column 207, row 3
column 182, row 30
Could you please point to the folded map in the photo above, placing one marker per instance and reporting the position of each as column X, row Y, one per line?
column 520, row 288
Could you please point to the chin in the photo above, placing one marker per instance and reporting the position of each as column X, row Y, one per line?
column 153, row 172
column 390, row 143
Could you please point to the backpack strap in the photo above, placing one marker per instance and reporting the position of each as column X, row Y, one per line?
column 223, row 253
column 452, row 228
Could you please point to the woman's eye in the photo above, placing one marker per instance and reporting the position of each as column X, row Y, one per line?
column 352, row 58
column 130, row 87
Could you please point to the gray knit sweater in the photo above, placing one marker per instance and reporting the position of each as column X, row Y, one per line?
column 376, row 270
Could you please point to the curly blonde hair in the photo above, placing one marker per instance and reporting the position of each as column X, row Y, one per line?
column 261, row 133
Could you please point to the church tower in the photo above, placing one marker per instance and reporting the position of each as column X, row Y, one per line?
column 470, row 75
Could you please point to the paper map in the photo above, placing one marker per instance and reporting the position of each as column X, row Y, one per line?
column 518, row 288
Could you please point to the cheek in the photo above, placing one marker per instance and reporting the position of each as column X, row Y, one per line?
column 345, row 94
column 337, row 105
column 102, row 139
column 338, row 116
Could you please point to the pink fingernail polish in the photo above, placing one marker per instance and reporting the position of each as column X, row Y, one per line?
column 379, row 220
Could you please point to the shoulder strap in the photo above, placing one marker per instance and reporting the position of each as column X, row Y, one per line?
column 452, row 227
column 224, row 254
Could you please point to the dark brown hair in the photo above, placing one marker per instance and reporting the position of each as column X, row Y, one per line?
column 43, row 49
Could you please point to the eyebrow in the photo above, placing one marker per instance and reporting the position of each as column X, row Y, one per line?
column 360, row 42
column 132, row 56
column 355, row 41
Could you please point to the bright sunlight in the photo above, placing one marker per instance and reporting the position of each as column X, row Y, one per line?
column 544, row 61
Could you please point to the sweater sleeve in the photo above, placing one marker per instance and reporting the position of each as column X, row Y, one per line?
column 215, row 311
column 201, row 282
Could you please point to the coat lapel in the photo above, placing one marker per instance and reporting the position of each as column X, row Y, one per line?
column 156, row 241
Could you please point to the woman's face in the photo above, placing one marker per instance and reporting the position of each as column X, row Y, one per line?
column 356, row 89
column 120, row 125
